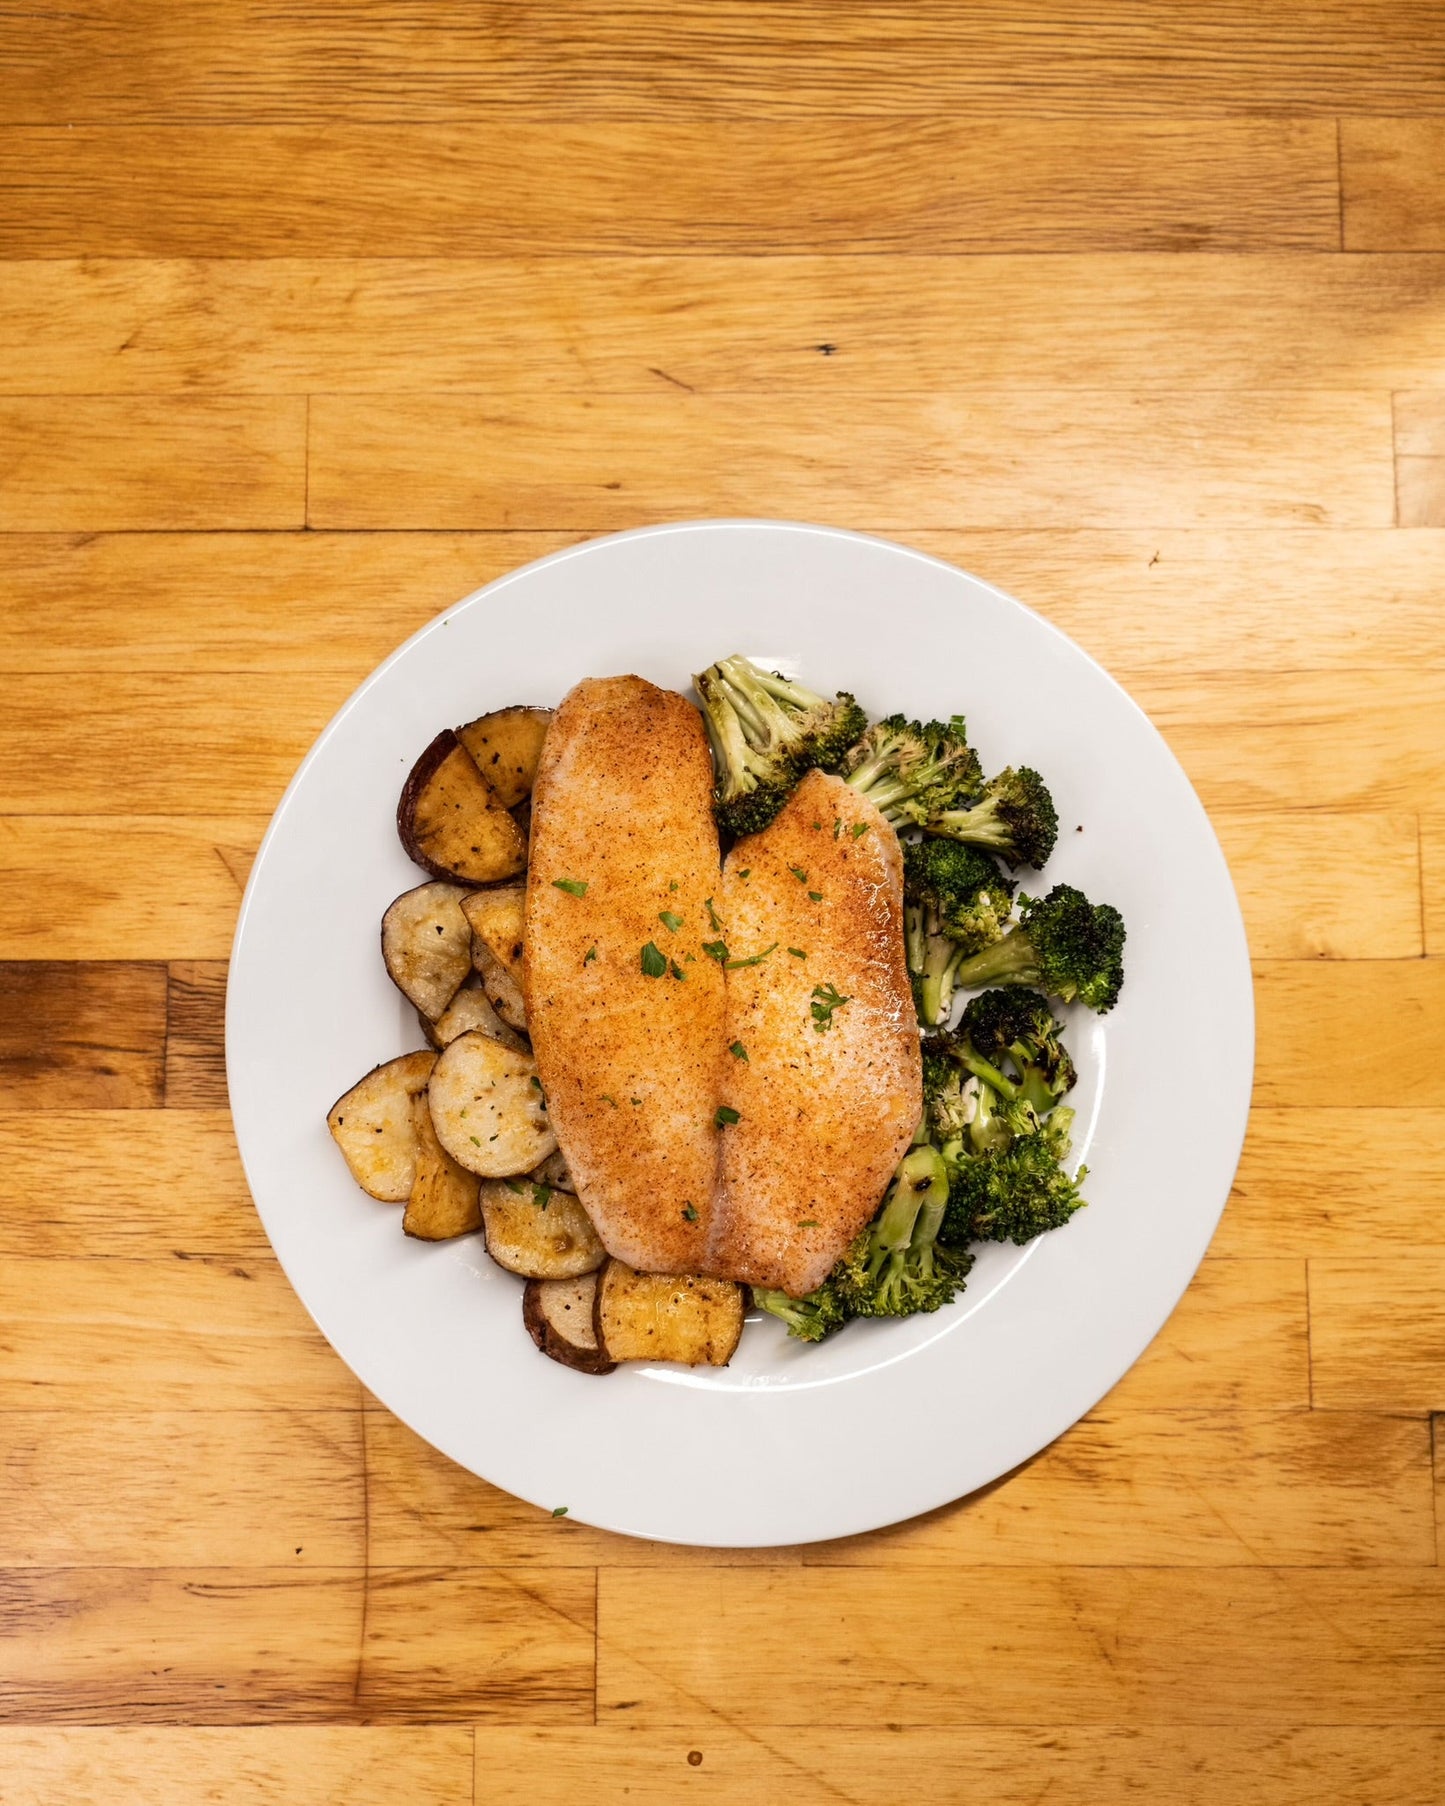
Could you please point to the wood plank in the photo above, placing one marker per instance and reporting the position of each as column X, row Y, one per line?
column 292, row 1765
column 1287, row 868
column 1437, row 1429
column 514, row 185
column 1065, row 1764
column 1319, row 1030
column 1377, row 1333
column 1021, row 1646
column 1237, row 1340
column 451, row 60
column 123, row 887
column 1432, row 862
column 1288, row 458
column 78, row 1036
column 88, row 463
column 1345, row 1181
column 489, row 1644
column 126, row 1184
column 196, row 1040
column 1207, row 599
column 178, row 1645
column 225, row 1489
column 164, row 1334
column 836, row 325
column 1420, row 458
column 1283, row 1489
column 1392, row 178
column 421, row 1507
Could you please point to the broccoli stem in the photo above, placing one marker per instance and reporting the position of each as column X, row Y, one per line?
column 912, row 1211
column 979, row 826
column 990, row 1075
column 1009, row 961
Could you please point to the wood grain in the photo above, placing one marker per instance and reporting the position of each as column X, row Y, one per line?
column 1318, row 1030
column 1432, row 861
column 837, row 324
column 1420, row 459
column 451, row 60
column 1073, row 1764
column 293, row 1765
column 196, row 1036
column 173, row 1333
column 1208, row 599
column 1022, row 1646
column 1392, row 184
column 933, row 183
column 1293, row 458
column 128, row 888
column 134, row 462
column 127, row 1184
column 278, row 1488
column 1309, row 1182
column 77, row 1036
column 1377, row 1332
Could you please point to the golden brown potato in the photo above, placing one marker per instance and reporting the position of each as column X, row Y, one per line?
column 374, row 1127
column 450, row 822
column 444, row 1199
column 650, row 1317
column 503, row 988
column 426, row 945
column 538, row 1232
column 496, row 918
column 558, row 1314
column 506, row 746
column 488, row 1109
column 469, row 1009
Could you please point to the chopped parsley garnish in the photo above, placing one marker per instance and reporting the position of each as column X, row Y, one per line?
column 675, row 969
column 535, row 1081
column 516, row 1185
column 826, row 999
column 634, row 1100
column 653, row 964
column 590, row 954
column 746, row 872
column 732, row 965
column 673, row 885
column 837, row 826
column 807, row 1223
column 860, row 828
column 712, row 915
column 689, row 1213
column 725, row 1115
column 717, row 950
column 818, row 826
column 541, row 1196
column 799, row 873
column 815, row 896
column 739, row 1052
column 559, row 1511
column 669, row 920
column 608, row 1098
column 574, row 887
column 475, row 1140
column 797, row 953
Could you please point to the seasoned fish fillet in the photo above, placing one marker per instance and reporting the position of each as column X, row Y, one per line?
column 629, row 1062
column 829, row 1094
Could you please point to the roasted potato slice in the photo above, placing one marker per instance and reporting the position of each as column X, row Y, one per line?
column 503, row 988
column 426, row 944
column 487, row 1107
column 506, row 746
column 649, row 1317
column 553, row 1172
column 469, row 1009
column 444, row 1199
column 496, row 917
column 374, row 1127
column 450, row 822
column 538, row 1232
column 558, row 1314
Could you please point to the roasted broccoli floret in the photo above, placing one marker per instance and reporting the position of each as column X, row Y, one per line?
column 896, row 1267
column 1015, row 1192
column 1018, row 1026
column 956, row 901
column 809, row 1319
column 1015, row 818
column 913, row 770
column 766, row 732
column 1063, row 944
column 950, row 1096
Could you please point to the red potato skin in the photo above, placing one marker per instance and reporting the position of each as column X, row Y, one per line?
column 555, row 1347
column 420, row 775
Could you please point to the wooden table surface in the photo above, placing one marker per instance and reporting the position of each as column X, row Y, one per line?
column 314, row 318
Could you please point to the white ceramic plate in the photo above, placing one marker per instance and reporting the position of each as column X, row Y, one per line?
column 789, row 1444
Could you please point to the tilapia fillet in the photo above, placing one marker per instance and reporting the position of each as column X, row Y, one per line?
column 827, row 1094
column 630, row 1063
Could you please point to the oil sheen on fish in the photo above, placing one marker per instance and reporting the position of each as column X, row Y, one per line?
column 827, row 1092
column 625, row 1009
